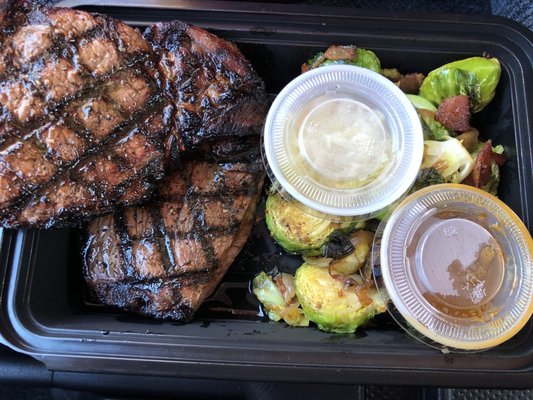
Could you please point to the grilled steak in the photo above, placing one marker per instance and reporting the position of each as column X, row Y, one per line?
column 220, row 102
column 165, row 258
column 91, row 113
column 81, row 119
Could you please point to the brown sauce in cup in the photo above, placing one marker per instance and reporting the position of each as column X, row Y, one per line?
column 457, row 265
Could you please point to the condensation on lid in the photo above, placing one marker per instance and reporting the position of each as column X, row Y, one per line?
column 457, row 264
column 343, row 140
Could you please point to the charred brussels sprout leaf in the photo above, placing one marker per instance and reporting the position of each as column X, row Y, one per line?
column 360, row 244
column 427, row 177
column 338, row 245
column 476, row 77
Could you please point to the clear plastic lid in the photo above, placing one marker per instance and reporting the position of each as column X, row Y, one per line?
column 457, row 264
column 343, row 140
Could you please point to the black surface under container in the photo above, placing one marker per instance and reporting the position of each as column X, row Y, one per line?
column 46, row 313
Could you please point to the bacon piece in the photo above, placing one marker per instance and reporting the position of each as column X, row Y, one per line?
column 454, row 113
column 482, row 168
column 410, row 83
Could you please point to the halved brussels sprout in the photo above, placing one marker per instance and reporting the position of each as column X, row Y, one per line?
column 476, row 77
column 299, row 232
column 337, row 304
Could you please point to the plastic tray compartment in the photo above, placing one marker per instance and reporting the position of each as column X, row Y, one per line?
column 45, row 311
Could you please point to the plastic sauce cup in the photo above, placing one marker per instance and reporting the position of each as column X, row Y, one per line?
column 458, row 266
column 343, row 141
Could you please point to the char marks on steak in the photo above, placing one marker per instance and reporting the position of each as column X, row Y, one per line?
column 220, row 102
column 91, row 113
column 165, row 258
column 82, row 116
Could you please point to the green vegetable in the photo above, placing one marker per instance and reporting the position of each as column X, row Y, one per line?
column 494, row 181
column 476, row 77
column 420, row 103
column 433, row 129
column 336, row 304
column 337, row 246
column 427, row 177
column 449, row 158
column 276, row 305
column 392, row 74
column 299, row 232
column 363, row 58
column 368, row 59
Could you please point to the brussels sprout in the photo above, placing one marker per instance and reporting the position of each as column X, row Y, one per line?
column 476, row 77
column 449, row 158
column 297, row 231
column 277, row 305
column 345, row 55
column 336, row 304
column 433, row 129
column 392, row 74
column 368, row 59
column 420, row 103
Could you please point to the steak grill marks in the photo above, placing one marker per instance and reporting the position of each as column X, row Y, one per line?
column 91, row 113
column 81, row 116
column 74, row 85
column 165, row 258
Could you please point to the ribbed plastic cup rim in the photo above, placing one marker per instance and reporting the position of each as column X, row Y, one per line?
column 416, row 312
column 405, row 130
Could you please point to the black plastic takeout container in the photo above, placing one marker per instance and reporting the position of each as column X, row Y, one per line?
column 46, row 313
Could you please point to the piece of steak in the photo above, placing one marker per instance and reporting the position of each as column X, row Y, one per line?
column 165, row 258
column 82, row 116
column 91, row 113
column 219, row 100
